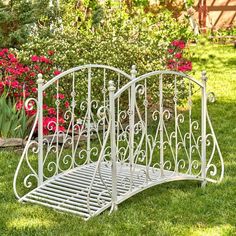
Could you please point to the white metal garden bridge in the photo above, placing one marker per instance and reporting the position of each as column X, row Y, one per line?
column 124, row 134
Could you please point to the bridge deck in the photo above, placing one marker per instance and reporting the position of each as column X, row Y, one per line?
column 68, row 191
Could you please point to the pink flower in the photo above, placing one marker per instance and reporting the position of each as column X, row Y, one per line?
column 32, row 74
column 60, row 96
column 36, row 67
column 67, row 104
column 34, row 58
column 61, row 120
column 181, row 44
column 178, row 55
column 1, row 85
column 170, row 50
column 185, row 66
column 44, row 59
column 45, row 107
column 56, row 72
column 52, row 111
column 61, row 128
column 31, row 112
column 178, row 43
column 19, row 105
column 25, row 94
column 14, row 84
column 3, row 51
column 34, row 90
column 31, row 82
column 12, row 58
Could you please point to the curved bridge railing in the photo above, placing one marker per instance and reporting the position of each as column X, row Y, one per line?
column 105, row 135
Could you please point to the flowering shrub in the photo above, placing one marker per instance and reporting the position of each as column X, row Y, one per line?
column 18, row 82
column 176, row 61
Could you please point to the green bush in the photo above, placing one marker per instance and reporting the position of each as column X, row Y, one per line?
column 20, row 19
column 120, row 40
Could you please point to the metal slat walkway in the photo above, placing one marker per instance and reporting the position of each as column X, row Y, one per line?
column 69, row 191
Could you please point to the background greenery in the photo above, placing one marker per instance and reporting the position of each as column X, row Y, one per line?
column 179, row 208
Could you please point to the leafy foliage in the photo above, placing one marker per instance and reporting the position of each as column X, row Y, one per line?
column 19, row 19
column 13, row 122
column 93, row 33
column 120, row 40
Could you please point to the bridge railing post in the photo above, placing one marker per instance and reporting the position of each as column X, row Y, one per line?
column 113, row 144
column 40, row 129
column 131, row 124
column 203, row 128
column 161, row 110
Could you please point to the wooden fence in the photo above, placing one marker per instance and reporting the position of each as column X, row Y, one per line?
column 215, row 14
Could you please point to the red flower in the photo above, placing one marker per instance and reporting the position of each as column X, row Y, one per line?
column 67, row 104
column 36, row 67
column 13, row 60
column 56, row 72
column 3, row 52
column 170, row 50
column 178, row 43
column 31, row 112
column 34, row 90
column 61, row 128
column 49, row 123
column 52, row 111
column 44, row 59
column 181, row 44
column 178, row 55
column 1, row 85
column 21, row 82
column 14, row 84
column 31, row 82
column 32, row 74
column 45, row 107
column 185, row 66
column 34, row 58
column 61, row 120
column 19, row 105
column 50, row 52
column 60, row 96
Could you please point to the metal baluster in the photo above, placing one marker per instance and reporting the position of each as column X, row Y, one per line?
column 104, row 102
column 118, row 116
column 190, row 128
column 113, row 144
column 161, row 124
column 146, row 135
column 40, row 129
column 203, row 127
column 89, row 116
column 57, row 127
column 131, row 125
column 176, row 125
column 73, row 119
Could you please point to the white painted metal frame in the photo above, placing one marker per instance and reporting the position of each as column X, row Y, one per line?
column 125, row 158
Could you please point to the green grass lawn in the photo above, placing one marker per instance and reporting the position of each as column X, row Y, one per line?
column 179, row 208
